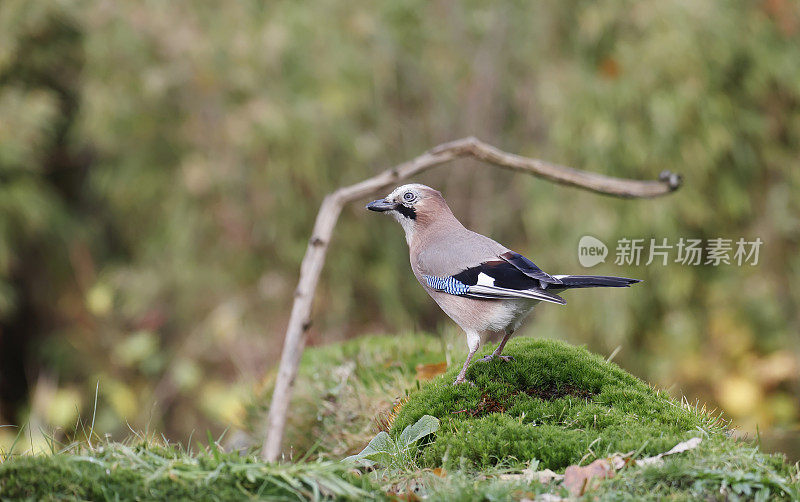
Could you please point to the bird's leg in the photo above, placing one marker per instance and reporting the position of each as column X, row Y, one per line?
column 473, row 342
column 502, row 344
column 461, row 378
column 499, row 350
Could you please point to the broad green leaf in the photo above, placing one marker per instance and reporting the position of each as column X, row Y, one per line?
column 413, row 433
column 381, row 445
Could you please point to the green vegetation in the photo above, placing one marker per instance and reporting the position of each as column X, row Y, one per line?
column 555, row 403
column 161, row 164
column 720, row 470
column 147, row 471
column 720, row 467
column 345, row 390
column 397, row 452
column 570, row 384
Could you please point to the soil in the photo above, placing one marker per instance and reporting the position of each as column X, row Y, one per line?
column 489, row 404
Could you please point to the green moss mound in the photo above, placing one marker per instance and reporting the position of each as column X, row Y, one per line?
column 555, row 403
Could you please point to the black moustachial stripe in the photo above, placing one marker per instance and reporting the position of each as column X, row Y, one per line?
column 406, row 211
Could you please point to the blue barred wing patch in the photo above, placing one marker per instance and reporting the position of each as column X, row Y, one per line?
column 449, row 285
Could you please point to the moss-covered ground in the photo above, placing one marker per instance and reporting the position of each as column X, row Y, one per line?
column 555, row 405
column 343, row 388
column 145, row 470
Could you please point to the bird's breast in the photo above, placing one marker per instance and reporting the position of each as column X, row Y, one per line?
column 482, row 315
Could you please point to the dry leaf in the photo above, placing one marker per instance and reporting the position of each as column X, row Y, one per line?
column 408, row 490
column 546, row 476
column 689, row 444
column 529, row 475
column 408, row 496
column 438, row 471
column 428, row 371
column 621, row 460
column 545, row 497
column 579, row 479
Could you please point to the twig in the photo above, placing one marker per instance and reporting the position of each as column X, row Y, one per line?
column 94, row 414
column 314, row 259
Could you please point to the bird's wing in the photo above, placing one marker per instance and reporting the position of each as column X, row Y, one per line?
column 446, row 253
column 464, row 263
column 493, row 279
column 529, row 268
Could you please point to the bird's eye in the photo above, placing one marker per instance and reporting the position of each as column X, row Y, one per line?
column 409, row 196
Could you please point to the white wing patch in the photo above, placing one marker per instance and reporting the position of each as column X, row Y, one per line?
column 485, row 280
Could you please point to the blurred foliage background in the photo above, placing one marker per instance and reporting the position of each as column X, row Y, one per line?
column 161, row 164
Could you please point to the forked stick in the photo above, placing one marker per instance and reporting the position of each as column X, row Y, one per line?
column 314, row 259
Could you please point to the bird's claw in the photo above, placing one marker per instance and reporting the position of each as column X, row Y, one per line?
column 459, row 382
column 486, row 359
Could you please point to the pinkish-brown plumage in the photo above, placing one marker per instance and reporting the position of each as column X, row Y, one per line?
column 487, row 289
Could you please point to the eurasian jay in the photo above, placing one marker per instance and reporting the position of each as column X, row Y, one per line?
column 487, row 289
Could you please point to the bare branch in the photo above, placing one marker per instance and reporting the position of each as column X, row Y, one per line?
column 314, row 259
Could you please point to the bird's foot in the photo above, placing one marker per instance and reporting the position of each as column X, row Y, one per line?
column 486, row 359
column 462, row 380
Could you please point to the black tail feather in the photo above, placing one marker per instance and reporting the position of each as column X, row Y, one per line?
column 594, row 281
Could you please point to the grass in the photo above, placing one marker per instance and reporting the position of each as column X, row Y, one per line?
column 720, row 468
column 151, row 471
column 554, row 406
column 341, row 389
column 468, row 486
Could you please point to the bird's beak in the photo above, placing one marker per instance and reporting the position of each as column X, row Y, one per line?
column 380, row 205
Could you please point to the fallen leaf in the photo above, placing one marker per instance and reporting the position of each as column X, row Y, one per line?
column 409, row 490
column 529, row 475
column 438, row 471
column 621, row 460
column 428, row 371
column 579, row 479
column 545, row 497
column 689, row 444
column 547, row 475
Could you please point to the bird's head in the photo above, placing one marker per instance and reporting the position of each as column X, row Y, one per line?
column 415, row 206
